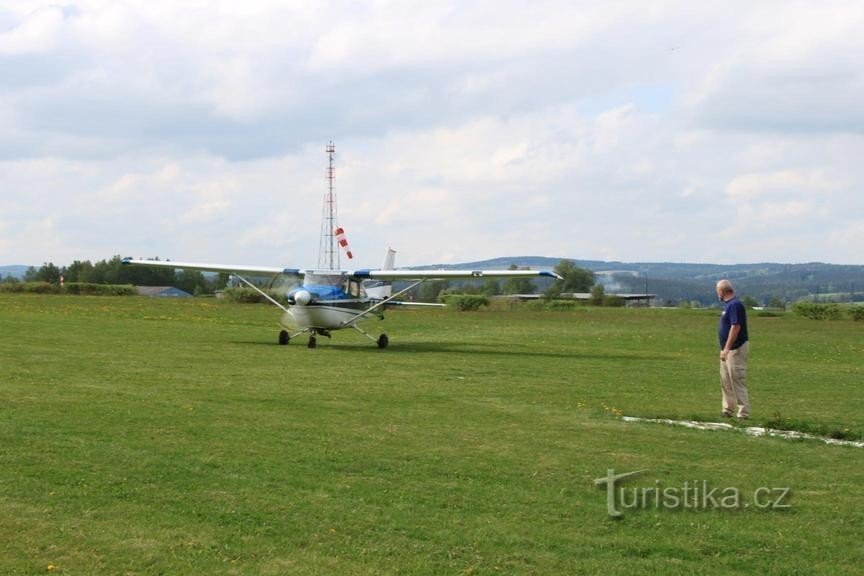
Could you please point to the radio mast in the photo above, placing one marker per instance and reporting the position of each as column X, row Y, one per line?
column 328, row 252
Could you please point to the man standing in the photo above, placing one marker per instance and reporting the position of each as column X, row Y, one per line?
column 734, row 349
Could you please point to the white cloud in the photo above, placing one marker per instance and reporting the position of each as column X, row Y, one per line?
column 209, row 202
column 786, row 182
column 34, row 33
column 850, row 235
column 793, row 67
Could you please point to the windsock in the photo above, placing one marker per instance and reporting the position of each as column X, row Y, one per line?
column 343, row 242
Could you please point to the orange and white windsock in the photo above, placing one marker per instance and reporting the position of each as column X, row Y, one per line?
column 343, row 242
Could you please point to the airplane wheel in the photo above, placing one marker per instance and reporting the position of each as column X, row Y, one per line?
column 313, row 342
column 284, row 338
column 383, row 341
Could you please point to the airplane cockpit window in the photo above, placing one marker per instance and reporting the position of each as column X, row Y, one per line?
column 324, row 280
column 282, row 283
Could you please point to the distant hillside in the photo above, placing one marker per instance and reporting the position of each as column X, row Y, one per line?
column 676, row 282
column 15, row 270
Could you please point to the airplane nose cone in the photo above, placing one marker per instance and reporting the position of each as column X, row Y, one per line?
column 302, row 297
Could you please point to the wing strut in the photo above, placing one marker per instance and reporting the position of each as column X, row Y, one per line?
column 267, row 296
column 351, row 321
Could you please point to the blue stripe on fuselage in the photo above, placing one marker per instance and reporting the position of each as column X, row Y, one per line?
column 321, row 292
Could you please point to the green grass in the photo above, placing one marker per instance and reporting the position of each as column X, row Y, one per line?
column 143, row 436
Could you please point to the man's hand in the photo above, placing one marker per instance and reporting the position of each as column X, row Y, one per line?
column 733, row 335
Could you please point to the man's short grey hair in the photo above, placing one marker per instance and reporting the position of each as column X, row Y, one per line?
column 725, row 286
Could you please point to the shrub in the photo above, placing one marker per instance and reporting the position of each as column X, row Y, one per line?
column 563, row 305
column 505, row 304
column 465, row 302
column 614, row 301
column 88, row 289
column 249, row 296
column 34, row 287
column 75, row 288
column 857, row 313
column 243, row 296
column 816, row 311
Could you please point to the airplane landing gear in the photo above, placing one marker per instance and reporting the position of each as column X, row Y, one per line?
column 383, row 341
column 284, row 337
column 313, row 342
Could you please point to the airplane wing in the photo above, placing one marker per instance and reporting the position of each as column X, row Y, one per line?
column 448, row 274
column 227, row 268
column 365, row 274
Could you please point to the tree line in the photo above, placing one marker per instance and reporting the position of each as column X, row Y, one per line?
column 113, row 271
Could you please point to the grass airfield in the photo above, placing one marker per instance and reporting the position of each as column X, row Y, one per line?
column 145, row 436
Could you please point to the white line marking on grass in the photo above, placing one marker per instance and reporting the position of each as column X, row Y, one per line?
column 750, row 431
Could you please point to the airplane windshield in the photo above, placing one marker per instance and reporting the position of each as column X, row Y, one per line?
column 342, row 286
column 324, row 279
column 282, row 283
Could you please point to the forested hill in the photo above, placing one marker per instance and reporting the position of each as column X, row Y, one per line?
column 695, row 282
column 14, row 270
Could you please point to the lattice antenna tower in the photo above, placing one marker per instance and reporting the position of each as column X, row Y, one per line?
column 328, row 250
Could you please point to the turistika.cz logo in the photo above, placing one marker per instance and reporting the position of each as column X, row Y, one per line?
column 696, row 495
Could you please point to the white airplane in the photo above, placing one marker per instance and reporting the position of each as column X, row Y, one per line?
column 322, row 301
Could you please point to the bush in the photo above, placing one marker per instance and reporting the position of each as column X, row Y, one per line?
column 563, row 305
column 88, row 289
column 465, row 302
column 75, row 288
column 243, row 296
column 31, row 287
column 41, row 288
column 857, row 313
column 614, row 301
column 816, row 311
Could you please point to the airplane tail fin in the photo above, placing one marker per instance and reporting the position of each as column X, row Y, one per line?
column 382, row 290
column 389, row 259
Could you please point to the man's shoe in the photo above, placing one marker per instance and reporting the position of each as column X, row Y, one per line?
column 726, row 414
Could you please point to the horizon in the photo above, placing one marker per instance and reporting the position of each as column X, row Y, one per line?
column 485, row 260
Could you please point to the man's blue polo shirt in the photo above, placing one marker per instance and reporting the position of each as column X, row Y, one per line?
column 733, row 313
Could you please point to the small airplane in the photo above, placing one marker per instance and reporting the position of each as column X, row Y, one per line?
column 320, row 301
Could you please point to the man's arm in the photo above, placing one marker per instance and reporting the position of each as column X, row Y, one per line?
column 733, row 335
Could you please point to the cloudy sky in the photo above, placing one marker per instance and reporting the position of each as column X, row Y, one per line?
column 635, row 131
